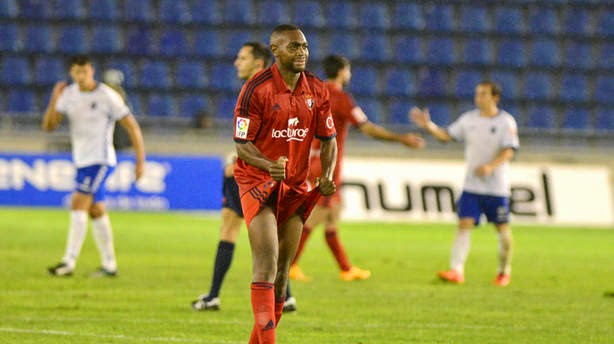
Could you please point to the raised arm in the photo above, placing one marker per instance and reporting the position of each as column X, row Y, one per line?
column 380, row 133
column 136, row 137
column 423, row 120
column 328, row 160
column 52, row 118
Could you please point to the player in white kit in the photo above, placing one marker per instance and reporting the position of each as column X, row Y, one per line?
column 92, row 109
column 491, row 139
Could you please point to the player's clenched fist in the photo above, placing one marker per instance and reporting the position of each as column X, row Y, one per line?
column 326, row 185
column 277, row 170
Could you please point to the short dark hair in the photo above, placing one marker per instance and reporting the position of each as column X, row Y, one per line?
column 285, row 27
column 495, row 89
column 333, row 64
column 79, row 60
column 260, row 51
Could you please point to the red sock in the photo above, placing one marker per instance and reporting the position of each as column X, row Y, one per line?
column 263, row 306
column 332, row 239
column 304, row 236
column 279, row 309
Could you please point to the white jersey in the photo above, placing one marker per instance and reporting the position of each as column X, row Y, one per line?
column 92, row 117
column 484, row 138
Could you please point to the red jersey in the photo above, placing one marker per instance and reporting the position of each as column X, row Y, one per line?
column 281, row 122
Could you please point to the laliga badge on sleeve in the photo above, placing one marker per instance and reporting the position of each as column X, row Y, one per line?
column 241, row 127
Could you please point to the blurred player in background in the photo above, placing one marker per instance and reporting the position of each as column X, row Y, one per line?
column 251, row 59
column 92, row 109
column 491, row 140
column 345, row 114
column 278, row 114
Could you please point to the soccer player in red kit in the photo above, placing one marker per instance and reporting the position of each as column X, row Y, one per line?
column 279, row 112
column 345, row 114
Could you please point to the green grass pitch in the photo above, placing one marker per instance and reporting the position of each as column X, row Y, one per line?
column 559, row 292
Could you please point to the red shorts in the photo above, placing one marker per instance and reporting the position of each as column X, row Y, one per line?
column 285, row 200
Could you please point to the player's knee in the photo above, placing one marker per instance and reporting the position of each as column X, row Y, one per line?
column 96, row 211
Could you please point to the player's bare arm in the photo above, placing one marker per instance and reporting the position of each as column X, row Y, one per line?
column 422, row 119
column 136, row 137
column 375, row 131
column 328, row 159
column 504, row 155
column 52, row 117
column 252, row 156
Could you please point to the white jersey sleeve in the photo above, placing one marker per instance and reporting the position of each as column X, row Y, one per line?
column 118, row 107
column 457, row 129
column 509, row 136
column 61, row 103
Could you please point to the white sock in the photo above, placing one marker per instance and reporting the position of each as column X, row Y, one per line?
column 505, row 252
column 76, row 234
column 460, row 250
column 103, row 234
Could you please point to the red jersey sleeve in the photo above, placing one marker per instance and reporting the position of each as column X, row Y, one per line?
column 325, row 126
column 247, row 115
column 357, row 116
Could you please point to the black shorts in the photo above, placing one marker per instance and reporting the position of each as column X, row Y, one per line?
column 231, row 199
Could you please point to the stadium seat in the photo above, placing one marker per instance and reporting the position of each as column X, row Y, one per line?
column 9, row 38
column 155, row 74
column 578, row 55
column 514, row 110
column 398, row 109
column 161, row 105
column 22, row 101
column 543, row 20
column 376, row 47
column 16, row 71
column 538, row 86
column 439, row 18
column 49, row 70
column 238, row 12
column 604, row 89
column 576, row 118
column 175, row 12
column 574, row 88
column 104, row 10
column 374, row 15
column 364, row 81
column 135, row 104
column 234, row 40
column 224, row 77
column 441, row 51
column 510, row 53
column 9, row 9
column 508, row 82
column 440, row 113
column 273, row 12
column 372, row 108
column 432, row 83
column 226, row 107
column 466, row 81
column 38, row 39
column 126, row 66
column 208, row 43
column 605, row 118
column 474, row 19
column 477, row 51
column 545, row 53
column 173, row 42
column 606, row 60
column 193, row 104
column 73, row 40
column 408, row 15
column 341, row 14
column 106, row 39
column 69, row 9
column 308, row 14
column 206, row 12
column 408, row 49
column 577, row 21
column 191, row 74
column 399, row 82
column 509, row 20
column 316, row 46
column 139, row 11
column 605, row 23
column 140, row 42
column 541, row 117
column 344, row 44
column 35, row 9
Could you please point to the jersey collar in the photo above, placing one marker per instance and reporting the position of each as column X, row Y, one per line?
column 302, row 86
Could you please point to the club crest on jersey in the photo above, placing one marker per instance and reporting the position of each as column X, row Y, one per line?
column 241, row 127
column 310, row 103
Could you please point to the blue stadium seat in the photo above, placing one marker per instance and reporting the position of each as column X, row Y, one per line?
column 545, row 53
column 408, row 15
column 126, row 66
column 509, row 20
column 234, row 40
column 510, row 53
column 604, row 89
column 538, row 86
column 606, row 60
column 605, row 118
column 374, row 15
column 140, row 42
column 175, row 12
column 104, row 10
column 39, row 39
column 474, row 19
column 316, row 46
column 605, row 24
column 432, row 82
column 439, row 18
column 399, row 83
column 9, row 38
column 224, row 77
column 408, row 49
column 155, row 74
column 578, row 55
column 477, row 51
column 22, row 101
column 173, row 42
column 466, row 81
column 208, row 43
column 206, row 12
column 161, row 105
column 541, row 117
column 226, row 107
column 73, row 40
column 440, row 113
column 9, row 9
column 191, row 74
column 372, row 108
column 238, row 12
column 308, row 14
column 273, row 12
column 106, row 39
column 441, row 51
column 577, row 21
column 36, row 9
column 508, row 82
column 16, row 71
column 344, row 44
column 398, row 109
column 543, row 20
column 340, row 14
column 49, row 70
column 139, row 11
column 576, row 118
column 574, row 87
column 513, row 109
column 376, row 47
column 364, row 81
column 135, row 103
column 192, row 105
column 69, row 9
